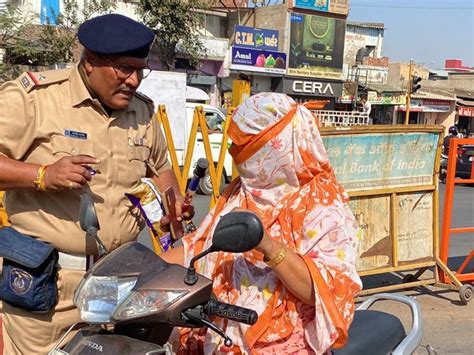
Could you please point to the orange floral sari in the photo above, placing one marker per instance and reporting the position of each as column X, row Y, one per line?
column 286, row 179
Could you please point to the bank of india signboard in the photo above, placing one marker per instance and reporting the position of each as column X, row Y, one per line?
column 377, row 161
column 389, row 173
column 317, row 88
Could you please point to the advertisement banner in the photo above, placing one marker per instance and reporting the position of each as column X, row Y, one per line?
column 373, row 161
column 256, row 38
column 385, row 98
column 436, row 105
column 466, row 111
column 332, row 6
column 258, row 60
column 316, row 46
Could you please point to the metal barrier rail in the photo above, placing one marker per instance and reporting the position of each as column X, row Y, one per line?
column 465, row 291
column 215, row 170
column 342, row 118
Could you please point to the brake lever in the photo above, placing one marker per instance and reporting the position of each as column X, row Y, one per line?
column 196, row 316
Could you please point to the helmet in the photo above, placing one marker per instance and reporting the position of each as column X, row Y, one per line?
column 453, row 130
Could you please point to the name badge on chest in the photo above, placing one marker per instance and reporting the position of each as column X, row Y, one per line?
column 75, row 134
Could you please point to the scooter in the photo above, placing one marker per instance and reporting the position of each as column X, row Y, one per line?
column 143, row 298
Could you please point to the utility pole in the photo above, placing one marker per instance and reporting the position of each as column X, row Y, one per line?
column 407, row 105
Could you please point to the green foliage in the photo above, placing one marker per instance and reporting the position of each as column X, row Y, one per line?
column 175, row 27
column 60, row 39
column 31, row 44
column 15, row 35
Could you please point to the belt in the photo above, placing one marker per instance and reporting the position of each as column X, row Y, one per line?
column 75, row 262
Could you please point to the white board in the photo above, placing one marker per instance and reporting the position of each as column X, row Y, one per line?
column 169, row 89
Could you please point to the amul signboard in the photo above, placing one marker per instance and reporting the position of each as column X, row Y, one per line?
column 316, row 46
column 386, row 160
column 248, row 59
column 332, row 6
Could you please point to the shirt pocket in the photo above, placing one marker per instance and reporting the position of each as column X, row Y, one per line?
column 64, row 146
column 138, row 156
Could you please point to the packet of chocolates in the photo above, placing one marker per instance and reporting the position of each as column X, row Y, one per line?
column 148, row 200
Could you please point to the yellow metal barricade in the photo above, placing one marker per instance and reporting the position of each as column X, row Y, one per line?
column 215, row 171
column 3, row 213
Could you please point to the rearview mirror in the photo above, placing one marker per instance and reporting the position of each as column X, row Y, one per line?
column 237, row 232
column 87, row 214
column 89, row 221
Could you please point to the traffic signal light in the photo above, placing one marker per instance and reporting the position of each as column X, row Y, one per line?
column 414, row 84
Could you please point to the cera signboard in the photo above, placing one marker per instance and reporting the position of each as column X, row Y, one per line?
column 248, row 59
column 317, row 88
column 256, row 38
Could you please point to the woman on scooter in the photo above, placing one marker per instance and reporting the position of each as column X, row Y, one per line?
column 301, row 279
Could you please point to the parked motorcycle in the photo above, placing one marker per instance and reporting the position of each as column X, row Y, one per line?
column 143, row 298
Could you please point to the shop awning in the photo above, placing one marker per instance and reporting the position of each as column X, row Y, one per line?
column 463, row 102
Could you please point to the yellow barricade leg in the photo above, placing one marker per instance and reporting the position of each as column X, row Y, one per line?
column 3, row 213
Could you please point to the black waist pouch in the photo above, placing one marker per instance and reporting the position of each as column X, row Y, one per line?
column 28, row 279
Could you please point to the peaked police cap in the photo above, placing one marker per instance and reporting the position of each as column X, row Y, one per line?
column 116, row 34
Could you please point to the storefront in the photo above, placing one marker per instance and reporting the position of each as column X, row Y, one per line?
column 428, row 111
column 383, row 105
column 466, row 119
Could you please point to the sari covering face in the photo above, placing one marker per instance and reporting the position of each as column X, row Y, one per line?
column 286, row 179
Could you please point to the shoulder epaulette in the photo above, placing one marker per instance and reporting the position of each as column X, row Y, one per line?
column 143, row 97
column 30, row 80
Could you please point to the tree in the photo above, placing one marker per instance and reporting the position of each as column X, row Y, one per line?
column 60, row 39
column 15, row 34
column 174, row 23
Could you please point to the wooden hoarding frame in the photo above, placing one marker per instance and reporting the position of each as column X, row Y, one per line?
column 392, row 193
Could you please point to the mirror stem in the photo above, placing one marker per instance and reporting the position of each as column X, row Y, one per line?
column 191, row 277
column 100, row 246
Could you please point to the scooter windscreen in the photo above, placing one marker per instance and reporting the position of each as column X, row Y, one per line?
column 107, row 294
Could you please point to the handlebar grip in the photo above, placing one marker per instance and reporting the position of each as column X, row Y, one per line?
column 232, row 312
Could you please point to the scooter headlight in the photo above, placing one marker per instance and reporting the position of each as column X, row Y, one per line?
column 98, row 297
column 145, row 302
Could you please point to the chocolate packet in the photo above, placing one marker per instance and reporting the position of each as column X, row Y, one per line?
column 148, row 200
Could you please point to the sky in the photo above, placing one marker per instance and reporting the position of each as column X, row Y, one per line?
column 427, row 31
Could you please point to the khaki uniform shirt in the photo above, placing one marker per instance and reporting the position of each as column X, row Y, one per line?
column 48, row 115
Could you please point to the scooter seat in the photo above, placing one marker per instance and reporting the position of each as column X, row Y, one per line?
column 374, row 333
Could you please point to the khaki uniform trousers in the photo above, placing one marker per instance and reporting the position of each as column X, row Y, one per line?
column 29, row 333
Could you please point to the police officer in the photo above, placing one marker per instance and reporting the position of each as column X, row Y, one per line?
column 67, row 131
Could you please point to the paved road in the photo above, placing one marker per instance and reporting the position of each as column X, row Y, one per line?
column 463, row 216
column 448, row 324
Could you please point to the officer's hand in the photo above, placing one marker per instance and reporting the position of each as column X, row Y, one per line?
column 69, row 173
column 180, row 215
column 183, row 215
